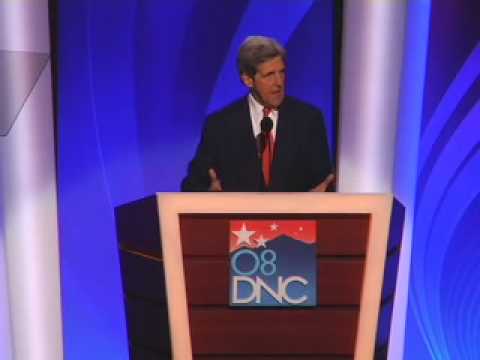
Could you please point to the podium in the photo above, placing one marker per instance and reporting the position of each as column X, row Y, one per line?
column 174, row 261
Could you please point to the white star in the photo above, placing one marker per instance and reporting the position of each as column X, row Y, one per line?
column 261, row 241
column 300, row 228
column 274, row 227
column 243, row 235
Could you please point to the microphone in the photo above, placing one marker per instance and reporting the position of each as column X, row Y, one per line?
column 266, row 125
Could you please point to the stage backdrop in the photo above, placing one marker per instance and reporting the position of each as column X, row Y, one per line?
column 443, row 319
column 134, row 82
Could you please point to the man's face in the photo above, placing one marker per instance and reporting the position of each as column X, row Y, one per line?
column 268, row 84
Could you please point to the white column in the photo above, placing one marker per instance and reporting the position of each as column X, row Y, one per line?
column 371, row 78
column 27, row 185
column 371, row 66
column 5, row 336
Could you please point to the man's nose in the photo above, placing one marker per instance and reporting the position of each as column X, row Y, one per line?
column 278, row 79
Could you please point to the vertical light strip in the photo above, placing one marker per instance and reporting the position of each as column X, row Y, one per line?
column 28, row 190
column 5, row 337
column 24, row 25
column 372, row 64
column 31, row 230
column 369, row 90
column 406, row 161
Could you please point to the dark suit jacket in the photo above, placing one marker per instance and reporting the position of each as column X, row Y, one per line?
column 301, row 159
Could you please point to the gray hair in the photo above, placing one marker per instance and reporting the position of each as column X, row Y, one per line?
column 255, row 50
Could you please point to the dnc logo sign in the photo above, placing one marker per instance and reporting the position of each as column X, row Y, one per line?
column 273, row 263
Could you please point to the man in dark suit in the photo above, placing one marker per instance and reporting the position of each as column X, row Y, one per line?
column 266, row 141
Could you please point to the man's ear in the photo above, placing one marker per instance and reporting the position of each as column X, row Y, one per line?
column 247, row 80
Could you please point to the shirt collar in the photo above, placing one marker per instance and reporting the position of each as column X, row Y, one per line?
column 256, row 113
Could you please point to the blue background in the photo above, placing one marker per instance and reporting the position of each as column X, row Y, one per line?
column 443, row 320
column 134, row 82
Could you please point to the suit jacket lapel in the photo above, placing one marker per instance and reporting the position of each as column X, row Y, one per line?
column 246, row 141
column 284, row 145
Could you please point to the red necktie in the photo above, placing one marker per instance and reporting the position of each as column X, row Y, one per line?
column 267, row 155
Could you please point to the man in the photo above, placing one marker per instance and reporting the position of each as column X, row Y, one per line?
column 266, row 141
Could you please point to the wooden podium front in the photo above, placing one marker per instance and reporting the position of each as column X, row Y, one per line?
column 358, row 238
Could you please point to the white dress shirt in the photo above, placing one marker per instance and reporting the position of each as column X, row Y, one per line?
column 256, row 115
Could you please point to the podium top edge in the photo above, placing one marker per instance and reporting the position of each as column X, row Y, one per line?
column 206, row 193
column 274, row 202
column 272, row 194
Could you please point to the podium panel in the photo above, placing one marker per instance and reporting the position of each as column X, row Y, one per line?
column 357, row 244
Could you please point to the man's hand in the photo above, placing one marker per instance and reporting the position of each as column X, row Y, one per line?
column 215, row 184
column 322, row 187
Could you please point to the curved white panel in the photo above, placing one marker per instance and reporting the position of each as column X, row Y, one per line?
column 31, row 232
column 372, row 65
column 24, row 25
column 30, row 307
column 371, row 69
